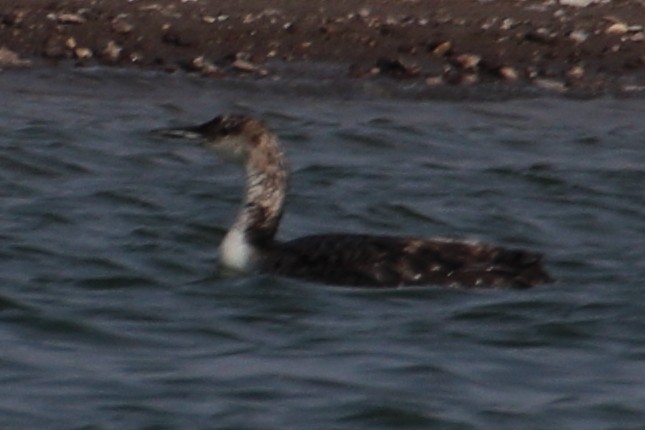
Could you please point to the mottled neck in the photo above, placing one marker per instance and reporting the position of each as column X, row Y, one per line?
column 266, row 184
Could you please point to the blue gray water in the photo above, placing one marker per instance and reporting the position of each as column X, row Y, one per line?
column 113, row 314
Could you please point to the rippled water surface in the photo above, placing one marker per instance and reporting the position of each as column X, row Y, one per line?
column 113, row 314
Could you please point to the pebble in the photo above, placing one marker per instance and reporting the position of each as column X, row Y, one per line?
column 560, row 14
column 248, row 67
column 151, row 7
column 364, row 12
column 550, row 84
column 617, row 28
column 71, row 43
column 206, row 68
column 433, row 81
column 8, row 58
column 67, row 18
column 578, row 36
column 136, row 57
column 442, row 49
column 469, row 79
column 507, row 24
column 575, row 72
column 467, row 61
column 289, row 27
column 630, row 88
column 577, row 3
column 508, row 73
column 121, row 26
column 112, row 52
column 83, row 53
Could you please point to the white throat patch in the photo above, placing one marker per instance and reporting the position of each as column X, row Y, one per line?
column 236, row 253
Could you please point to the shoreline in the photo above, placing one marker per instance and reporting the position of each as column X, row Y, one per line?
column 590, row 47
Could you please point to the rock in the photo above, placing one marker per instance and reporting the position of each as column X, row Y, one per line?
column 205, row 67
column 67, row 18
column 243, row 66
column 136, row 57
column 83, row 53
column 364, row 12
column 631, row 88
column 469, row 79
column 289, row 27
column 70, row 43
column 246, row 66
column 119, row 25
column 575, row 72
column 112, row 52
column 618, row 28
column 578, row 36
column 577, row 3
column 442, row 49
column 212, row 71
column 508, row 73
column 467, row 61
column 507, row 24
column 8, row 58
column 198, row 63
column 550, row 85
column 433, row 81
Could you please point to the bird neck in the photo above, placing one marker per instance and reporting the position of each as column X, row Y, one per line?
column 257, row 222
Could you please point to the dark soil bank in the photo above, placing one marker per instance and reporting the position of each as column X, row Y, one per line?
column 557, row 44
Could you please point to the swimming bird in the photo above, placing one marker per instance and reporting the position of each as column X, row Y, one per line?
column 346, row 259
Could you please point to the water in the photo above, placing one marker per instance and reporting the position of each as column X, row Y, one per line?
column 113, row 314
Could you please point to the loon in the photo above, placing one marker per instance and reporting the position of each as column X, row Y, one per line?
column 344, row 259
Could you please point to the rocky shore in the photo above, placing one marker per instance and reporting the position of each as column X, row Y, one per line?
column 560, row 45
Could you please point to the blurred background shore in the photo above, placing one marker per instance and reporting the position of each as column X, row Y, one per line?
column 559, row 45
